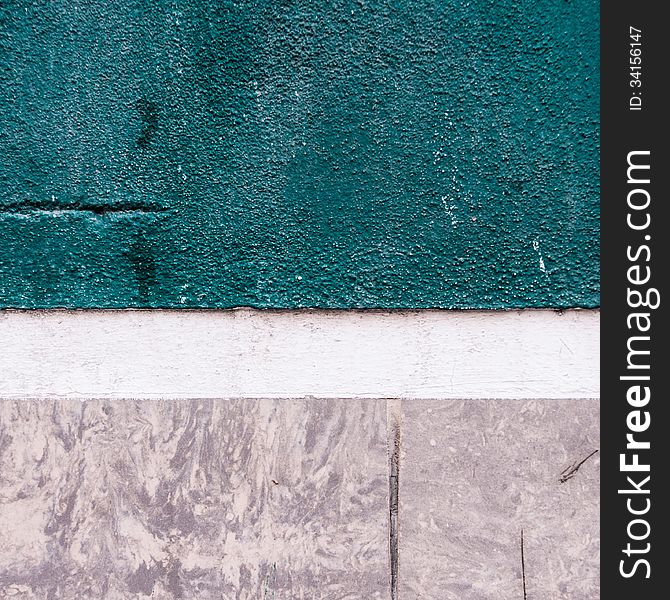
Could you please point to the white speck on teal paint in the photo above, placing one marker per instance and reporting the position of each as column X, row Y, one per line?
column 536, row 247
column 449, row 209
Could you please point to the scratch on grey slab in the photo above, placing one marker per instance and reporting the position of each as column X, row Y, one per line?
column 570, row 471
column 523, row 569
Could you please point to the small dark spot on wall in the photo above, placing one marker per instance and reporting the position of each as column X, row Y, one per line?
column 516, row 185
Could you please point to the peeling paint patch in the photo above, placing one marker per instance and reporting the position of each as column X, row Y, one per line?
column 536, row 247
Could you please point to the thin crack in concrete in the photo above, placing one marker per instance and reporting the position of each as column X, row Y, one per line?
column 28, row 208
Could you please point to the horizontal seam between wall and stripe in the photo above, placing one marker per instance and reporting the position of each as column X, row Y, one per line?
column 248, row 353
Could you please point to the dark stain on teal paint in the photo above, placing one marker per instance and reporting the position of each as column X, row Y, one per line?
column 207, row 153
column 149, row 116
column 143, row 260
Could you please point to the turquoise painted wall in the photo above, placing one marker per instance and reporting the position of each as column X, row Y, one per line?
column 207, row 153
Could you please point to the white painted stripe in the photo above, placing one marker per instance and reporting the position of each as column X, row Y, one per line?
column 248, row 353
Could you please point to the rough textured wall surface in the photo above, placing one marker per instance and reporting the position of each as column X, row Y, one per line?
column 207, row 153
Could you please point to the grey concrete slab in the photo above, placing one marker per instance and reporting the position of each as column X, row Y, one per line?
column 474, row 474
column 193, row 499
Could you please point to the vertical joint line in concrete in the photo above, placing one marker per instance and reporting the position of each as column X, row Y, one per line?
column 394, row 408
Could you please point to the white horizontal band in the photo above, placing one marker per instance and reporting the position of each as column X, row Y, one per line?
column 250, row 353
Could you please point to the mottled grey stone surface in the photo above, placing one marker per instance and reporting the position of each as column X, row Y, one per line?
column 193, row 499
column 289, row 499
column 474, row 473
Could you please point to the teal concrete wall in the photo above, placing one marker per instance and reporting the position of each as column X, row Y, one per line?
column 207, row 153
